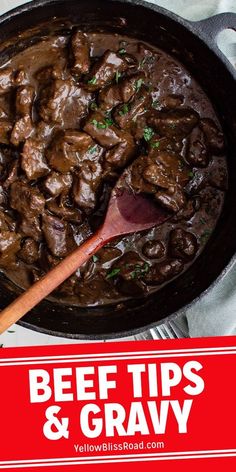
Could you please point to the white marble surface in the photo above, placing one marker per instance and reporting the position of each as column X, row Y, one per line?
column 224, row 296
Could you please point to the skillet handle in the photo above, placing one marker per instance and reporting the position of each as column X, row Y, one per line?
column 212, row 26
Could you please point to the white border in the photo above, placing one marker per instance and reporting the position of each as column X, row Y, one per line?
column 118, row 458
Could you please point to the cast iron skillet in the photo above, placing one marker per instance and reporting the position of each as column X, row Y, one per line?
column 194, row 44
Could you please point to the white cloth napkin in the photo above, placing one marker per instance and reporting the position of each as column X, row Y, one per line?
column 215, row 314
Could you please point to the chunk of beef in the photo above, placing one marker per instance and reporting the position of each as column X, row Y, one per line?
column 188, row 211
column 12, row 173
column 27, row 200
column 81, row 54
column 24, row 100
column 173, row 101
column 128, row 273
column 154, row 249
column 5, row 131
column 68, row 150
column 30, row 226
column 6, row 80
column 49, row 73
column 174, row 123
column 89, row 291
column 183, row 244
column 172, row 199
column 125, row 117
column 33, row 161
column 113, row 95
column 6, row 222
column 107, row 254
column 63, row 102
column 22, row 130
column 197, row 150
column 105, row 69
column 86, row 184
column 121, row 154
column 29, row 252
column 102, row 130
column 56, row 183
column 9, row 246
column 163, row 271
column 21, row 77
column 174, row 166
column 63, row 209
column 58, row 236
column 215, row 137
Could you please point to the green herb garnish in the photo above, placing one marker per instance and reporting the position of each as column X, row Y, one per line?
column 122, row 51
column 155, row 144
column 124, row 110
column 156, row 104
column 93, row 149
column 140, row 271
column 93, row 106
column 205, row 235
column 118, row 76
column 191, row 174
column 113, row 273
column 95, row 258
column 202, row 221
column 92, row 81
column 100, row 125
column 148, row 133
column 138, row 84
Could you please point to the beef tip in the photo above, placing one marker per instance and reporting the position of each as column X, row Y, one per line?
column 24, row 100
column 113, row 95
column 21, row 78
column 89, row 291
column 9, row 246
column 125, row 116
column 5, row 131
column 68, row 150
column 108, row 254
column 22, row 130
column 174, row 123
column 12, row 174
column 81, row 54
column 58, row 236
column 30, row 226
column 105, row 69
column 26, row 200
column 64, row 210
column 6, row 223
column 215, row 137
column 128, row 273
column 183, row 244
column 173, row 101
column 163, row 271
column 53, row 100
column 156, row 174
column 218, row 177
column 29, row 252
column 132, row 63
column 121, row 154
column 138, row 183
column 174, row 166
column 154, row 249
column 197, row 151
column 32, row 159
column 189, row 210
column 56, row 183
column 172, row 199
column 6, row 80
column 67, row 289
column 86, row 184
column 102, row 130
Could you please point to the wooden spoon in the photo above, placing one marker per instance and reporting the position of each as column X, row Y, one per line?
column 127, row 213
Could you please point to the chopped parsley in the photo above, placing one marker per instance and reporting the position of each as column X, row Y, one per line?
column 92, row 81
column 146, row 60
column 155, row 144
column 122, row 51
column 95, row 258
column 118, row 76
column 93, row 149
column 113, row 273
column 124, row 110
column 100, row 125
column 140, row 271
column 191, row 174
column 205, row 236
column 156, row 104
column 148, row 133
column 138, row 84
column 202, row 221
column 93, row 106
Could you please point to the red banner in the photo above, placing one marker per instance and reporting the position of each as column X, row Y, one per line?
column 115, row 405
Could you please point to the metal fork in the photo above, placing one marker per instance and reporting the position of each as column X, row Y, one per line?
column 168, row 330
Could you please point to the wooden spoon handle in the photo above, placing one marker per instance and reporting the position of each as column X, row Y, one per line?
column 41, row 289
